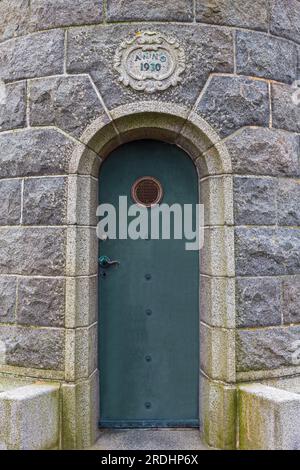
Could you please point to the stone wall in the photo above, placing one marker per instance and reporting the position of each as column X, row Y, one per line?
column 56, row 59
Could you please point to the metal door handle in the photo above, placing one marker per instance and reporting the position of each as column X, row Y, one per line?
column 105, row 262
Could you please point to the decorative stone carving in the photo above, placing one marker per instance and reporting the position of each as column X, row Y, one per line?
column 150, row 62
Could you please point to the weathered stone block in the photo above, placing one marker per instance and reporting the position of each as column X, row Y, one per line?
column 209, row 46
column 41, row 302
column 13, row 109
column 291, row 300
column 288, row 202
column 34, row 152
column 243, row 13
column 258, row 302
column 14, row 18
column 285, row 19
column 286, row 107
column 34, row 348
column 81, row 301
column 46, row 14
column 8, row 287
column 233, row 102
column 32, row 251
column 69, row 103
column 268, row 418
column 44, row 201
column 153, row 10
column 262, row 349
column 264, row 152
column 254, row 201
column 80, row 405
column 218, row 421
column 264, row 56
column 10, row 197
column 32, row 56
column 267, row 251
column 29, row 418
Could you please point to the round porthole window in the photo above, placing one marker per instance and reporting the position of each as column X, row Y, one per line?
column 147, row 191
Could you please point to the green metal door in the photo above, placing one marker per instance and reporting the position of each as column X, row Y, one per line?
column 149, row 304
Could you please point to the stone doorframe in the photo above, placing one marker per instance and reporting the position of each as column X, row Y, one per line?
column 176, row 125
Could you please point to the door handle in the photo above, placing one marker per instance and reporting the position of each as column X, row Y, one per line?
column 105, row 262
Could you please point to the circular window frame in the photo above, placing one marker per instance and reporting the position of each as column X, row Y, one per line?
column 135, row 187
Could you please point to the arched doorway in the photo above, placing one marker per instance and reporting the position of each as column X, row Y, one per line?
column 149, row 303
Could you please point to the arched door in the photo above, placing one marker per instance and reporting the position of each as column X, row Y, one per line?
column 149, row 303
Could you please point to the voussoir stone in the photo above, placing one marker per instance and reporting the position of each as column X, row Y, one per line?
column 267, row 348
column 44, row 201
column 267, row 251
column 8, row 287
column 32, row 251
column 291, row 299
column 150, row 10
column 14, row 18
column 243, row 13
column 34, row 55
column 34, row 152
column 92, row 50
column 285, row 19
column 286, row 107
column 264, row 56
column 264, row 151
column 254, row 201
column 41, row 302
column 233, row 102
column 34, row 348
column 13, row 106
column 69, row 103
column 288, row 201
column 10, row 202
column 258, row 302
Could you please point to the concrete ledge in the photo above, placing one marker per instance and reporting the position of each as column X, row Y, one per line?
column 29, row 418
column 269, row 418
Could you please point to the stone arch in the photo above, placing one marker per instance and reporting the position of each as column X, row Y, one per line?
column 174, row 124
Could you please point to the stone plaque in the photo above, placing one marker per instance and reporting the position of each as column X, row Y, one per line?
column 150, row 62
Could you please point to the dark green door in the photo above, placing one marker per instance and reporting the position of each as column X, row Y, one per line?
column 149, row 304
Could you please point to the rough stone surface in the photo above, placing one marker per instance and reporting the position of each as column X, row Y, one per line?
column 10, row 202
column 32, row 56
column 264, row 152
column 291, row 300
column 32, row 251
column 266, row 348
column 286, row 107
column 55, row 13
column 29, row 417
column 285, row 19
column 13, row 18
column 44, row 201
column 208, row 49
column 41, row 302
column 34, row 152
column 268, row 418
column 145, row 10
column 13, row 110
column 264, row 56
column 233, row 102
column 267, row 251
column 258, row 302
column 35, row 348
column 8, row 286
column 254, row 201
column 288, row 202
column 243, row 13
column 68, row 103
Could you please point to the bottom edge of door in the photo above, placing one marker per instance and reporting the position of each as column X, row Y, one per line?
column 114, row 424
